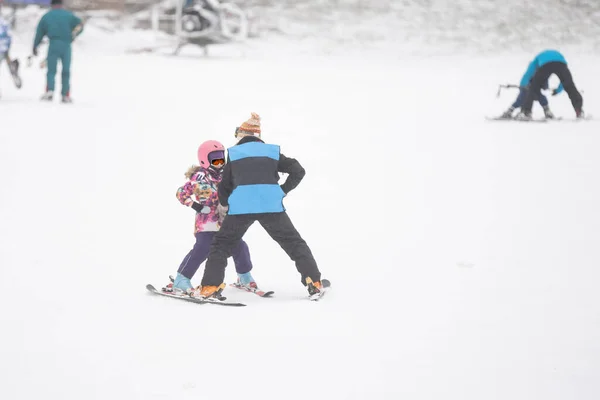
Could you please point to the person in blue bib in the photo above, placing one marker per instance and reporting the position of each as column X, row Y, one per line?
column 547, row 63
column 249, row 191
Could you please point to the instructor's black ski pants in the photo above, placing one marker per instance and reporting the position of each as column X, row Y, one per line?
column 278, row 226
column 541, row 76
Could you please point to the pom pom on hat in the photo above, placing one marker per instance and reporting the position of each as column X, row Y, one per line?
column 250, row 126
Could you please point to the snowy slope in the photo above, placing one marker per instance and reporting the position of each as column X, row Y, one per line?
column 463, row 253
column 374, row 28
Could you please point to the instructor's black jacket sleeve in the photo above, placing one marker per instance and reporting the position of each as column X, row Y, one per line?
column 225, row 186
column 292, row 167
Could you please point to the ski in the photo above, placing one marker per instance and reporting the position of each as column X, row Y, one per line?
column 556, row 119
column 13, row 66
column 587, row 117
column 519, row 120
column 256, row 291
column 190, row 299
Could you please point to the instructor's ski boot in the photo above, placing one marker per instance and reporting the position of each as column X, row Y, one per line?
column 314, row 288
column 209, row 292
column 547, row 113
column 66, row 99
column 48, row 96
column 580, row 114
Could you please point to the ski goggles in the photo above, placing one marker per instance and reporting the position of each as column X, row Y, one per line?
column 217, row 162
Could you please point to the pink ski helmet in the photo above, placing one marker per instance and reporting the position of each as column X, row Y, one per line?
column 206, row 150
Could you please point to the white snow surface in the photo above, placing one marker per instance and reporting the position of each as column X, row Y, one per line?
column 463, row 253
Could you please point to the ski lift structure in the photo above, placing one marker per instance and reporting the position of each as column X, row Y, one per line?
column 208, row 22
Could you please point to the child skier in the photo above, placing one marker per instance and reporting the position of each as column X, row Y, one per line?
column 5, row 40
column 202, row 184
column 543, row 65
column 250, row 192
column 524, row 87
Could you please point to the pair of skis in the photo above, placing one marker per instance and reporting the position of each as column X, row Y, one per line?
column 540, row 120
column 185, row 297
column 191, row 299
column 519, row 120
column 510, row 86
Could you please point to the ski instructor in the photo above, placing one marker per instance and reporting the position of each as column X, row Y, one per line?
column 61, row 27
column 543, row 65
column 248, row 192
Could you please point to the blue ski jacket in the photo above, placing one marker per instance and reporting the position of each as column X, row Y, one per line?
column 542, row 58
column 5, row 38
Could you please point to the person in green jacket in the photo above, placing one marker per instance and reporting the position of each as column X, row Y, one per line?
column 61, row 27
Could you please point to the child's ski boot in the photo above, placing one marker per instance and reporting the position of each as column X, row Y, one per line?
column 246, row 281
column 507, row 114
column 182, row 285
column 522, row 116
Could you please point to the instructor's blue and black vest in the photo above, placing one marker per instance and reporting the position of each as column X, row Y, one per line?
column 543, row 58
column 255, row 179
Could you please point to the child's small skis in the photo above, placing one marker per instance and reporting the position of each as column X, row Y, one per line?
column 587, row 117
column 186, row 297
column 501, row 118
column 254, row 290
column 236, row 285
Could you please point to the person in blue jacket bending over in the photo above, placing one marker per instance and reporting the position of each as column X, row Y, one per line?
column 546, row 63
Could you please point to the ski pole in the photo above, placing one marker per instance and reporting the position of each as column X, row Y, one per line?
column 507, row 86
column 511, row 86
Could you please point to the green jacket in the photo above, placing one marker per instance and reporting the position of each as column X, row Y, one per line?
column 59, row 25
